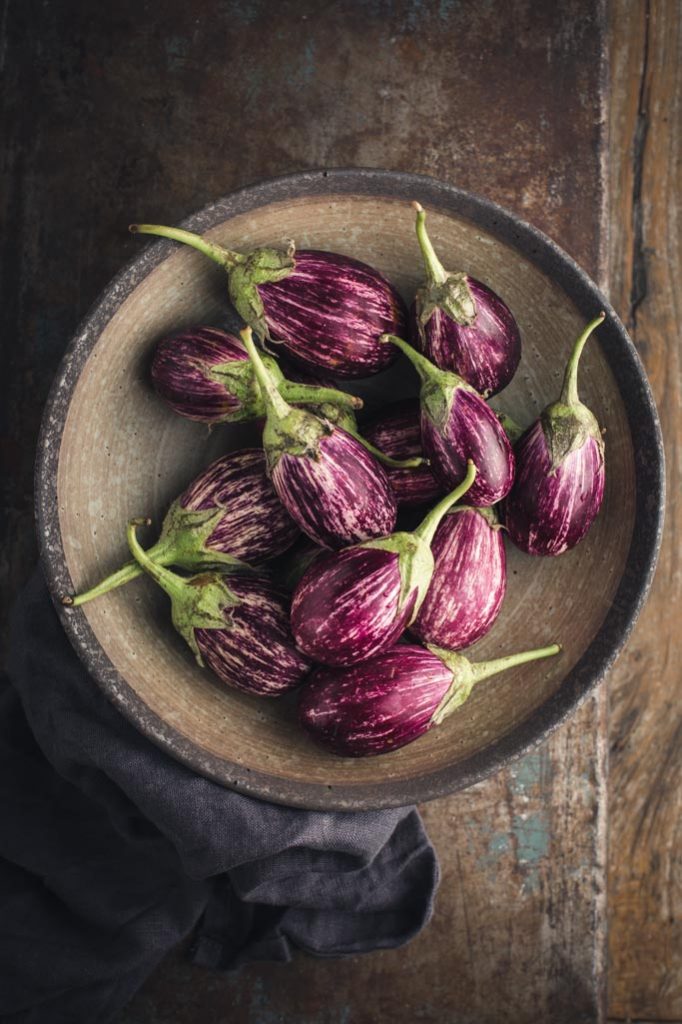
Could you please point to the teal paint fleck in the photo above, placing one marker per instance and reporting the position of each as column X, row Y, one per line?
column 532, row 837
column 499, row 844
column 445, row 9
column 528, row 773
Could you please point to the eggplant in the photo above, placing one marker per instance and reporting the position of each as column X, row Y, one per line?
column 457, row 425
column 326, row 311
column 397, row 433
column 204, row 374
column 560, row 477
column 462, row 325
column 235, row 623
column 395, row 697
column 469, row 580
column 229, row 515
column 329, row 483
column 355, row 603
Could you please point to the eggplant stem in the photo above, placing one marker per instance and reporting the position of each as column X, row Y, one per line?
column 225, row 257
column 423, row 366
column 158, row 553
column 300, row 394
column 269, row 389
column 485, row 669
column 569, row 391
column 434, row 268
column 169, row 581
column 430, row 523
column 412, row 463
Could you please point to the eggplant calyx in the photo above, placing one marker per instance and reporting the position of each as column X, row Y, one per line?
column 445, row 290
column 567, row 429
column 415, row 563
column 438, row 386
column 511, row 428
column 454, row 298
column 488, row 513
column 199, row 602
column 263, row 266
column 185, row 535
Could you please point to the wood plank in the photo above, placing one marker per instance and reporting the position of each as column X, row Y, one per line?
column 154, row 112
column 645, row 869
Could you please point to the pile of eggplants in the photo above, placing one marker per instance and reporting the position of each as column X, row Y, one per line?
column 354, row 561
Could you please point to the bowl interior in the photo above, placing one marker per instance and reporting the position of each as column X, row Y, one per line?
column 123, row 454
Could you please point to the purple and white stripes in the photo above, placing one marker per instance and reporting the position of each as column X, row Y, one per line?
column 468, row 583
column 255, row 652
column 329, row 312
column 548, row 511
column 396, row 432
column 340, row 497
column 255, row 526
column 181, row 373
column 471, row 431
column 377, row 706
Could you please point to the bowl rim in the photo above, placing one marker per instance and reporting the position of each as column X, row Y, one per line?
column 640, row 566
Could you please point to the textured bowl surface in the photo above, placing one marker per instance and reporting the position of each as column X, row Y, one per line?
column 111, row 450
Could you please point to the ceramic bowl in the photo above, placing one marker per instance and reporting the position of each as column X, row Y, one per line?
column 111, row 450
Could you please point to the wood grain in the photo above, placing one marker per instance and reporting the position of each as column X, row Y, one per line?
column 645, row 779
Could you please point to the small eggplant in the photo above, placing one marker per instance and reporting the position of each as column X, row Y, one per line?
column 469, row 580
column 397, row 433
column 355, row 603
column 235, row 623
column 457, row 425
column 329, row 483
column 229, row 515
column 560, row 471
column 326, row 310
column 205, row 374
column 462, row 325
column 395, row 697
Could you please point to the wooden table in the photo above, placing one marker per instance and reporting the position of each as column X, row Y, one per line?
column 143, row 110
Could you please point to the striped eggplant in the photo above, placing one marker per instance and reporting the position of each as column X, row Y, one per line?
column 326, row 310
column 559, row 485
column 235, row 623
column 355, row 603
column 331, row 486
column 457, row 425
column 204, row 374
column 395, row 697
column 229, row 515
column 469, row 580
column 462, row 325
column 396, row 432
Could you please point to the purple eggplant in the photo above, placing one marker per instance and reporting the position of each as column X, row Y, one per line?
column 559, row 484
column 235, row 623
column 462, row 325
column 355, row 603
column 457, row 425
column 397, row 433
column 326, row 310
column 329, row 483
column 205, row 374
column 229, row 515
column 469, row 580
column 395, row 697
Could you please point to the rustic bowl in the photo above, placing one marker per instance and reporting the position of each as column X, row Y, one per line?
column 110, row 450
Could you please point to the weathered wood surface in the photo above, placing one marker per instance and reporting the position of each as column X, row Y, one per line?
column 645, row 780
column 155, row 110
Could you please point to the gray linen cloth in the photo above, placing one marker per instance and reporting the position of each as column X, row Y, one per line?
column 111, row 852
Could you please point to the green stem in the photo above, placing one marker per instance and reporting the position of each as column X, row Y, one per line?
column 128, row 572
column 274, row 402
column 392, row 463
column 429, row 525
column 424, row 367
column 569, row 392
column 485, row 669
column 225, row 257
column 300, row 394
column 169, row 581
column 434, row 267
